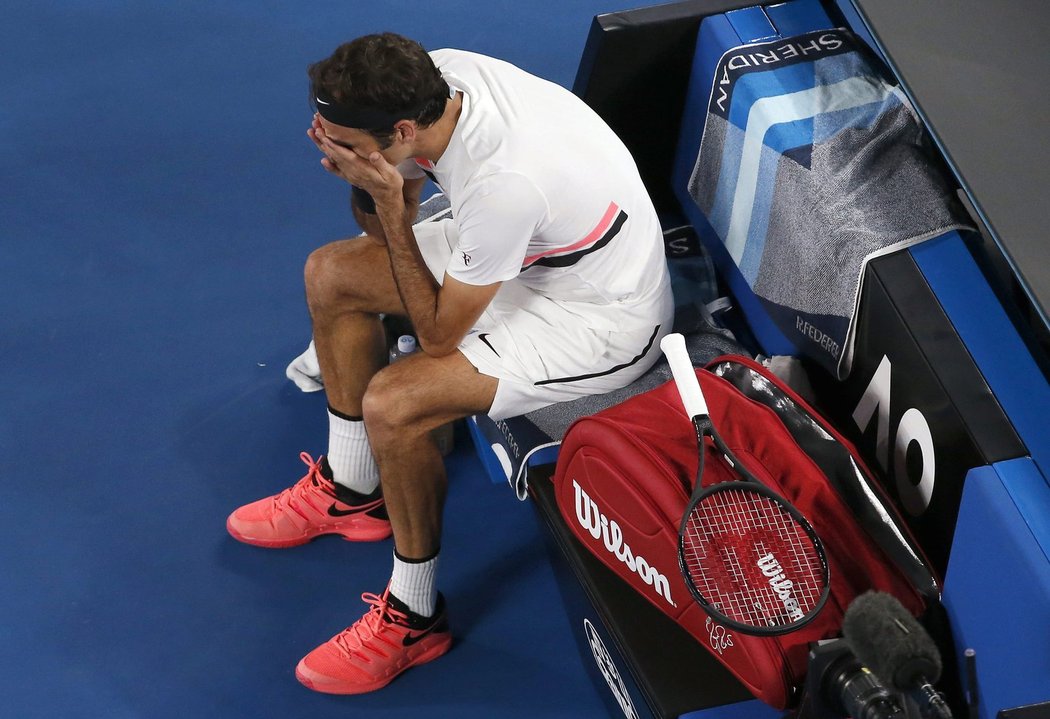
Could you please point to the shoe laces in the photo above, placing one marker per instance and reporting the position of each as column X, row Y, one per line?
column 312, row 482
column 376, row 621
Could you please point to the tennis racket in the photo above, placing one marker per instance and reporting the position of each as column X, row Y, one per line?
column 749, row 558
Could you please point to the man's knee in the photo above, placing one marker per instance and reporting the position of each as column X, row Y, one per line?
column 326, row 276
column 390, row 406
column 351, row 275
column 416, row 395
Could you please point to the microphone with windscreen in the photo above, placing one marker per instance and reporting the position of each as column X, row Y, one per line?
column 887, row 639
column 838, row 685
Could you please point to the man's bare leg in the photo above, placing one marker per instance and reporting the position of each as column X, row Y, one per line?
column 403, row 404
column 348, row 283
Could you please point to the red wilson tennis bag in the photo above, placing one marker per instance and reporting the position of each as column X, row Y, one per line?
column 624, row 477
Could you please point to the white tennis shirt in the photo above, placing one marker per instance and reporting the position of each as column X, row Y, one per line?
column 543, row 191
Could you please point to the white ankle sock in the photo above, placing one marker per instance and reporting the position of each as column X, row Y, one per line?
column 350, row 455
column 413, row 583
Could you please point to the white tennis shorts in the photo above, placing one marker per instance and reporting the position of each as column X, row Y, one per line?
column 540, row 352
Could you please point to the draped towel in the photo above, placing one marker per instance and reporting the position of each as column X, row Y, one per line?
column 810, row 166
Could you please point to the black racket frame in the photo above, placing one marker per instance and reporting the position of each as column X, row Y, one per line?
column 752, row 484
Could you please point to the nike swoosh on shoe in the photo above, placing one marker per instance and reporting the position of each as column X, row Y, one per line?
column 334, row 512
column 411, row 639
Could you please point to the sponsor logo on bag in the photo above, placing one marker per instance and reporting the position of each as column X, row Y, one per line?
column 609, row 532
column 608, row 669
column 781, row 586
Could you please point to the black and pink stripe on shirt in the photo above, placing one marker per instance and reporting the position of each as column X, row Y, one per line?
column 603, row 233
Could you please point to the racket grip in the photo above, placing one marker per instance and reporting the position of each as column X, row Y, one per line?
column 673, row 346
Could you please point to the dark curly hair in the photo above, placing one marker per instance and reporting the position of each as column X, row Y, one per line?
column 385, row 71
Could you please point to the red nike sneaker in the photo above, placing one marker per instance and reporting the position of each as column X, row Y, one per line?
column 367, row 656
column 313, row 506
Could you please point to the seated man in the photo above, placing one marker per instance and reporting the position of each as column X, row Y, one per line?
column 549, row 284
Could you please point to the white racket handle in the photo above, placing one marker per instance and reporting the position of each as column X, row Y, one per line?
column 673, row 346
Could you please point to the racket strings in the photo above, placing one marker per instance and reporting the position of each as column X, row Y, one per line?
column 751, row 560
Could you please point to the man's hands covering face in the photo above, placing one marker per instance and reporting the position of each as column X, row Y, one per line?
column 370, row 172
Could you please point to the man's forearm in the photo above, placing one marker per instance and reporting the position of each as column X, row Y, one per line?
column 367, row 218
column 415, row 284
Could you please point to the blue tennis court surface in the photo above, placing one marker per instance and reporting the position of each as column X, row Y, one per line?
column 159, row 199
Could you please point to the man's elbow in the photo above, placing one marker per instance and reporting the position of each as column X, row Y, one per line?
column 439, row 346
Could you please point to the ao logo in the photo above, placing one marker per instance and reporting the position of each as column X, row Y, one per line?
column 609, row 671
column 912, row 428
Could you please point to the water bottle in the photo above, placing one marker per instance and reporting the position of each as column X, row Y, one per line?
column 405, row 345
column 443, row 435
